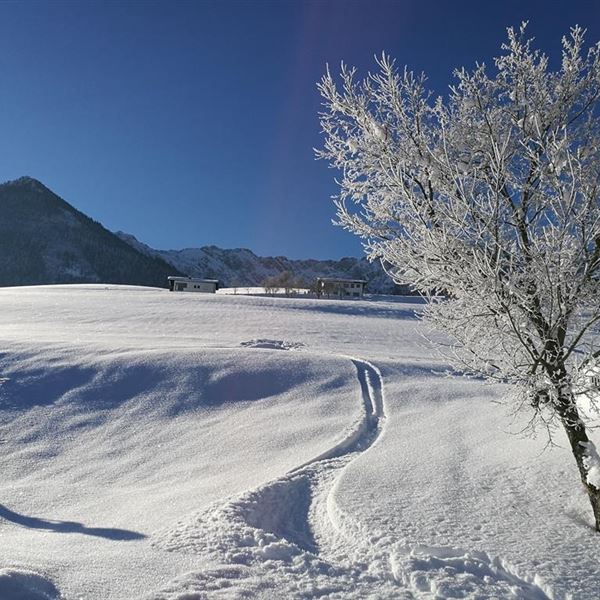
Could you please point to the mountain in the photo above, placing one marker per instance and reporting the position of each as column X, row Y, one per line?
column 241, row 267
column 43, row 240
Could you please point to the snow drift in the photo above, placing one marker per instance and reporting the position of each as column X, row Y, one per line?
column 167, row 447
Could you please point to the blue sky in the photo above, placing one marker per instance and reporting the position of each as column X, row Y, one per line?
column 193, row 123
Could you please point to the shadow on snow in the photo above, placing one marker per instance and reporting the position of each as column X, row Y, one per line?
column 68, row 526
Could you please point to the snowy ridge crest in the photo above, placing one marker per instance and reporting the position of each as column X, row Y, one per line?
column 240, row 267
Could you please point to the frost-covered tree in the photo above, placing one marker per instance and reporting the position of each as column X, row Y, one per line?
column 490, row 196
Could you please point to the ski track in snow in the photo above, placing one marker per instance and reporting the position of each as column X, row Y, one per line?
column 290, row 536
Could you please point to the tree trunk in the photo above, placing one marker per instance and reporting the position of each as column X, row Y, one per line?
column 578, row 438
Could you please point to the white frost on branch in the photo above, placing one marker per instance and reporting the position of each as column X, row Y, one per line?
column 490, row 197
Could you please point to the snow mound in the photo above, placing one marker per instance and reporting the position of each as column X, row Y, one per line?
column 272, row 528
column 459, row 573
column 104, row 449
column 273, row 344
column 19, row 584
column 301, row 579
column 231, row 532
column 265, row 549
column 244, row 473
column 265, row 546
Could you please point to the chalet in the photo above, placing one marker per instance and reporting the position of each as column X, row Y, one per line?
column 340, row 288
column 189, row 284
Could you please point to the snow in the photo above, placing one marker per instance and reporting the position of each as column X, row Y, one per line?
column 178, row 447
column 260, row 291
column 591, row 461
column 18, row 584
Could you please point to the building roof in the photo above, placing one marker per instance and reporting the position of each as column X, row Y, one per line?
column 334, row 280
column 192, row 279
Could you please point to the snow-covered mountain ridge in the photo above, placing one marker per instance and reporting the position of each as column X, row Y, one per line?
column 241, row 267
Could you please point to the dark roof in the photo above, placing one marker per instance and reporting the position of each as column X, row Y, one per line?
column 193, row 279
column 335, row 280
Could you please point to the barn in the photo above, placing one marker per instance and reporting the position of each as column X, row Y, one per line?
column 190, row 284
column 342, row 288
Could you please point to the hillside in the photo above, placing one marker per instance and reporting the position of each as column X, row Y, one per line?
column 166, row 446
column 241, row 267
column 43, row 239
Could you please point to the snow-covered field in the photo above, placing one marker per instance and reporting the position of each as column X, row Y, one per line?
column 185, row 446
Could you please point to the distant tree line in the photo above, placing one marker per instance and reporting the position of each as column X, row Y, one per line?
column 286, row 281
